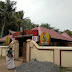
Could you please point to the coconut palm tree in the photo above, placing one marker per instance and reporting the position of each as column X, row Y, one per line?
column 7, row 10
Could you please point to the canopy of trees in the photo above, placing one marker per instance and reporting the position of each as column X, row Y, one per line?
column 68, row 32
column 10, row 19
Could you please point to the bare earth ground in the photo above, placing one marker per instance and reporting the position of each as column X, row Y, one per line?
column 3, row 65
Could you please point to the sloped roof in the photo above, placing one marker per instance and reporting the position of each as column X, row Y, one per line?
column 66, row 35
column 4, row 38
column 52, row 33
column 12, row 32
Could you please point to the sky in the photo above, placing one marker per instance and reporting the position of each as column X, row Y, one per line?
column 57, row 13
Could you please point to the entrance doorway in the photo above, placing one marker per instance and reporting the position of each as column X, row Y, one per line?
column 22, row 47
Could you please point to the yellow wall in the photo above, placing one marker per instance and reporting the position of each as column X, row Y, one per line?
column 66, row 58
column 42, row 55
column 15, row 48
column 3, row 50
column 61, row 56
column 57, row 56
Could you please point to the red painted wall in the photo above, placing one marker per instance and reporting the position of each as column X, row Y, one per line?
column 26, row 32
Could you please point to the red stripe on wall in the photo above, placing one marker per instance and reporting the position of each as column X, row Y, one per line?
column 44, row 49
column 39, row 49
column 53, row 56
column 60, row 57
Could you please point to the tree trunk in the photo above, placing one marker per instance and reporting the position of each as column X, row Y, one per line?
column 2, row 30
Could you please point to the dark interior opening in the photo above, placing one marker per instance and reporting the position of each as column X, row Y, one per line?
column 21, row 40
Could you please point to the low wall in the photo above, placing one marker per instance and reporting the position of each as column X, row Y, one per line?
column 15, row 49
column 62, row 56
column 3, row 50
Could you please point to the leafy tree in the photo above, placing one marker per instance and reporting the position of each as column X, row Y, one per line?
column 19, row 14
column 9, row 18
column 68, row 32
column 7, row 10
column 28, row 24
column 46, row 25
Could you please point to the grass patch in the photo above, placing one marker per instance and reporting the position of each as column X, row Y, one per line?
column 65, row 69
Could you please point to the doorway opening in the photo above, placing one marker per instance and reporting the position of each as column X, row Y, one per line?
column 22, row 45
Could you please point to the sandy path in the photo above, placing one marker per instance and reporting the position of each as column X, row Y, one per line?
column 3, row 65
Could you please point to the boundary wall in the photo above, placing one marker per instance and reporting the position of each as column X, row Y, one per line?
column 61, row 56
column 15, row 49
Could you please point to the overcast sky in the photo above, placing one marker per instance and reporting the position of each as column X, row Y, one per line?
column 58, row 13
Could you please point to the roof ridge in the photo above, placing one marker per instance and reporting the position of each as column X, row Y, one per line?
column 68, row 36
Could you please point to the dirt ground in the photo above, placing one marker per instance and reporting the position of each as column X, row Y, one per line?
column 3, row 65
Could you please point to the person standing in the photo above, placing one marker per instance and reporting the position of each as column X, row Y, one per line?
column 10, row 60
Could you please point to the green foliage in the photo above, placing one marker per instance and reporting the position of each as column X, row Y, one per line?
column 7, row 11
column 46, row 25
column 9, row 18
column 68, row 32
column 28, row 24
column 19, row 14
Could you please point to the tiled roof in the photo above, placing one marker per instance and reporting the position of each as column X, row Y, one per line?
column 71, row 36
column 12, row 32
column 66, row 35
column 4, row 38
column 52, row 33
